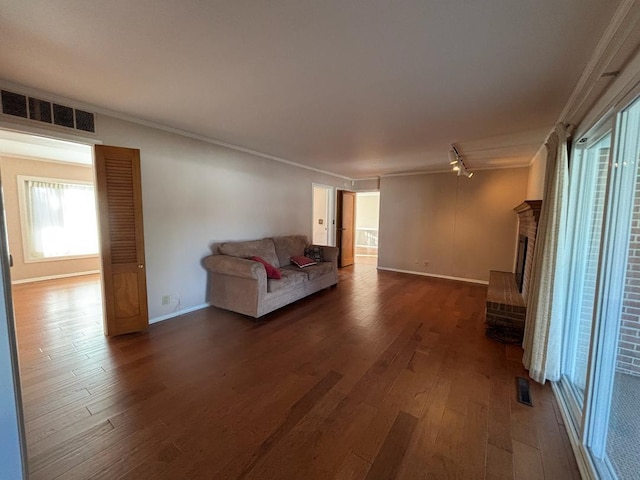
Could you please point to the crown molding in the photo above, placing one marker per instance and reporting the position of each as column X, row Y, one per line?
column 448, row 170
column 617, row 44
column 146, row 123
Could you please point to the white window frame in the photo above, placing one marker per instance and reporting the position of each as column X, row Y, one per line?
column 577, row 239
column 24, row 222
column 588, row 426
column 614, row 258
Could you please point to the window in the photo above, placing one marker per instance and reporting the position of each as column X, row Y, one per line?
column 59, row 219
column 589, row 169
column 601, row 355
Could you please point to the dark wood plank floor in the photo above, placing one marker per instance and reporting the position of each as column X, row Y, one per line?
column 386, row 376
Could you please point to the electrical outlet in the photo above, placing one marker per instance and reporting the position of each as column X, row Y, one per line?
column 166, row 299
column 426, row 263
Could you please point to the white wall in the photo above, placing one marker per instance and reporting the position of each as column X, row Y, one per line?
column 366, row 184
column 463, row 227
column 196, row 193
column 11, row 441
column 10, row 453
column 537, row 169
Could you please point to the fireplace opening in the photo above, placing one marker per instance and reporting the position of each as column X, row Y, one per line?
column 521, row 260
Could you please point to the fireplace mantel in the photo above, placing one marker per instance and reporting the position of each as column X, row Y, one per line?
column 530, row 208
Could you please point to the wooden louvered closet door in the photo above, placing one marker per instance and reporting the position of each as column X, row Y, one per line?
column 119, row 193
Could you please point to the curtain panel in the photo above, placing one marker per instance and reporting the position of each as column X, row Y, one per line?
column 61, row 219
column 545, row 307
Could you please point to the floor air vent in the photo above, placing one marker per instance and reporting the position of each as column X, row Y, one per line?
column 523, row 390
column 30, row 108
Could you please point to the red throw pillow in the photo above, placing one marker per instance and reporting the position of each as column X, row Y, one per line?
column 272, row 272
column 302, row 261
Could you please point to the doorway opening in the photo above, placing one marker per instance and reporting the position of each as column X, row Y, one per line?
column 49, row 203
column 52, row 236
column 52, row 232
column 323, row 218
column 367, row 222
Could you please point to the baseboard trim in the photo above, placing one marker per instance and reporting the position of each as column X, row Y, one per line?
column 446, row 277
column 54, row 277
column 184, row 311
column 586, row 467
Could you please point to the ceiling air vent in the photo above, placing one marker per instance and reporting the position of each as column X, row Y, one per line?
column 18, row 105
column 14, row 104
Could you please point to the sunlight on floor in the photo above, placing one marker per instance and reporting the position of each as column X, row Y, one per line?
column 366, row 260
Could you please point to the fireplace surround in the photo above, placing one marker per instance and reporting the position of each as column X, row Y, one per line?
column 508, row 292
column 528, row 217
column 521, row 258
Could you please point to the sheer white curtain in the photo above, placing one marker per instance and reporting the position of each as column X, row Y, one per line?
column 545, row 306
column 61, row 219
column 45, row 217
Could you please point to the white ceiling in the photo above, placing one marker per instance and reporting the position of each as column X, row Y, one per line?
column 359, row 88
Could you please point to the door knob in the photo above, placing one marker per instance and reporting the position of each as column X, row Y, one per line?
column 140, row 266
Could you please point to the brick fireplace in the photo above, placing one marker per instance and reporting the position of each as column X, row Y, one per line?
column 528, row 216
column 508, row 291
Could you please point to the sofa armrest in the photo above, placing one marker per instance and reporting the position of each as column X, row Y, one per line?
column 235, row 266
column 330, row 254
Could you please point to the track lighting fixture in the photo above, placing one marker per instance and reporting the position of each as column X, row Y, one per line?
column 457, row 164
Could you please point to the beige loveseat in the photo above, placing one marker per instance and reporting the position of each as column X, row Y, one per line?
column 241, row 285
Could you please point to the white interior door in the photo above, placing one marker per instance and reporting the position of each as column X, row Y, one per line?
column 322, row 217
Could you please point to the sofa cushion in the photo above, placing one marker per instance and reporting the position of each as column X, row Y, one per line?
column 289, row 246
column 318, row 270
column 255, row 248
column 272, row 272
column 289, row 280
column 302, row 261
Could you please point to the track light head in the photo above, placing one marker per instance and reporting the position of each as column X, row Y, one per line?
column 457, row 164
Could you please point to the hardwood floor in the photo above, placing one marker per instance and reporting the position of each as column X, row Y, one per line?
column 366, row 260
column 386, row 376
